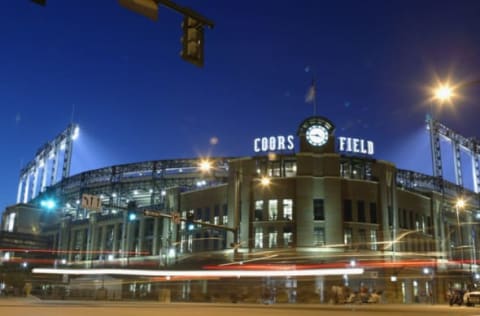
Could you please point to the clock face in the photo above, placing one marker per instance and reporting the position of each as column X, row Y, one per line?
column 317, row 135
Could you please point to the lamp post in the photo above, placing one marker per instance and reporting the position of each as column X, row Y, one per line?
column 460, row 204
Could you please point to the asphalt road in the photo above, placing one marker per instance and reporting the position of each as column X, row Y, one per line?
column 82, row 308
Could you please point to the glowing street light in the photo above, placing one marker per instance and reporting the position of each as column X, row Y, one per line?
column 205, row 166
column 443, row 93
column 460, row 203
column 265, row 181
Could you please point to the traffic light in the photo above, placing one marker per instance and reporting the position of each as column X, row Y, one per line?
column 40, row 2
column 189, row 220
column 192, row 41
column 132, row 210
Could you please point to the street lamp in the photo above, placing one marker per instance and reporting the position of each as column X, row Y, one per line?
column 460, row 204
column 205, row 165
column 443, row 93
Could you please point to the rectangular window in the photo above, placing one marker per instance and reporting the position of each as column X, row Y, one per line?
column 347, row 236
column 272, row 238
column 288, row 209
column 362, row 239
column 319, row 236
column 225, row 214
column 182, row 223
column 290, row 168
column 190, row 243
column 347, row 210
column 274, row 169
column 198, row 215
column 272, row 210
column 287, row 236
column 373, row 239
column 361, row 211
column 258, row 237
column 206, row 215
column 259, row 210
column 318, row 210
column 373, row 213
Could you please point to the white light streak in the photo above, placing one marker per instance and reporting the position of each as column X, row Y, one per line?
column 201, row 273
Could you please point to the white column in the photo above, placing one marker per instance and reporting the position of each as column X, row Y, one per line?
column 475, row 172
column 458, row 162
column 53, row 175
column 44, row 176
column 20, row 187
column 35, row 180
column 27, row 188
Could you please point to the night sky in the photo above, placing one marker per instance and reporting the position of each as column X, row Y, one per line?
column 120, row 76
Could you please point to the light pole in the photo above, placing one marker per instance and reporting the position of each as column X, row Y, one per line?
column 460, row 204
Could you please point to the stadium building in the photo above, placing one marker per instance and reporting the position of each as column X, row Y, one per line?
column 306, row 202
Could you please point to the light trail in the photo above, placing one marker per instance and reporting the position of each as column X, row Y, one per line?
column 201, row 273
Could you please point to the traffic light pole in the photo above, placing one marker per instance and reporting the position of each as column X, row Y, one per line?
column 186, row 11
column 160, row 214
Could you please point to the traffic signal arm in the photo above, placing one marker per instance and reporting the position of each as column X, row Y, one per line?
column 159, row 214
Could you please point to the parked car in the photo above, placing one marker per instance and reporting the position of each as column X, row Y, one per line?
column 471, row 298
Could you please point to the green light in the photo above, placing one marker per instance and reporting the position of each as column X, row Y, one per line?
column 49, row 204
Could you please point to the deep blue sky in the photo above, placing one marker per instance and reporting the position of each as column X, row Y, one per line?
column 136, row 99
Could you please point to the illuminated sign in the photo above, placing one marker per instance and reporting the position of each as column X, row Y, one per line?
column 355, row 145
column 273, row 143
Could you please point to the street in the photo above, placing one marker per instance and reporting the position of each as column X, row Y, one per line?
column 91, row 308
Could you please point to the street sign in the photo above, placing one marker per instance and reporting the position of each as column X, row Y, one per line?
column 91, row 202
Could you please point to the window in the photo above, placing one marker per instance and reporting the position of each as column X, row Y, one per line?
column 149, row 226
column 259, row 210
column 206, row 216
column 274, row 169
column 190, row 243
column 182, row 223
column 272, row 210
column 362, row 239
column 287, row 236
column 288, row 209
column 373, row 239
column 417, row 222
column 290, row 168
column 225, row 214
column 361, row 211
column 318, row 236
column 216, row 214
column 198, row 215
column 318, row 210
column 373, row 213
column 258, row 237
column 347, row 210
column 347, row 236
column 272, row 238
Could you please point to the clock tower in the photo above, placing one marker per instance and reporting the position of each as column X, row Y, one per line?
column 316, row 135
